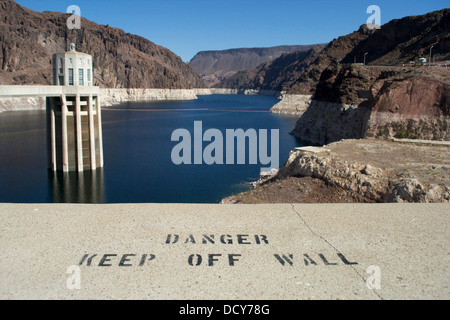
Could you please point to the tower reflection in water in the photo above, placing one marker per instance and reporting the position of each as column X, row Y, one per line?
column 77, row 187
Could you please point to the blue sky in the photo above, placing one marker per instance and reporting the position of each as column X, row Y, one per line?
column 189, row 26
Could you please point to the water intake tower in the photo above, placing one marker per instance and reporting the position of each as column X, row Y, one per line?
column 74, row 124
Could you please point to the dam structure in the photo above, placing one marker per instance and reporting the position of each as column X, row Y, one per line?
column 74, row 118
column 74, row 123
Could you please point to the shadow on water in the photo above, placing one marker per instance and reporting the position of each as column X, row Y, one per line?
column 75, row 187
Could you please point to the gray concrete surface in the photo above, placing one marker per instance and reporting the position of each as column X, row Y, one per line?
column 336, row 251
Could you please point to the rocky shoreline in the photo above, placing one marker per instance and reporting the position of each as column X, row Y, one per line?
column 369, row 170
column 109, row 97
column 113, row 96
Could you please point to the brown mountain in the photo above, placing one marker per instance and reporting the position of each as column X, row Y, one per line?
column 397, row 42
column 121, row 60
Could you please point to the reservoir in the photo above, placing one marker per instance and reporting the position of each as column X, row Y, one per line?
column 137, row 152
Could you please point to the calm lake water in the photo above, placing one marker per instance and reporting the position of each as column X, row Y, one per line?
column 137, row 150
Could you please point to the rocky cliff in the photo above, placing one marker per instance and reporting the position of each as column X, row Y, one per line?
column 353, row 102
column 121, row 60
column 215, row 66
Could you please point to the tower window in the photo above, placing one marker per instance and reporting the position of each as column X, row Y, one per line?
column 81, row 77
column 70, row 77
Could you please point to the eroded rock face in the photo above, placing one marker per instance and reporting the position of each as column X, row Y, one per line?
column 121, row 60
column 354, row 102
column 326, row 122
column 413, row 108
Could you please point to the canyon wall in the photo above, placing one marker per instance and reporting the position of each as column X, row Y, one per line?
column 354, row 102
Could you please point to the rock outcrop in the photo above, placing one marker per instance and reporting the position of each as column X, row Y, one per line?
column 380, row 185
column 366, row 180
column 121, row 60
column 292, row 104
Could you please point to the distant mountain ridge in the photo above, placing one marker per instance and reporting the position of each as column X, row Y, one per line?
column 215, row 65
column 121, row 60
column 278, row 74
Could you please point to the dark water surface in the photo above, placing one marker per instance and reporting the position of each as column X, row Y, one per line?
column 137, row 151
